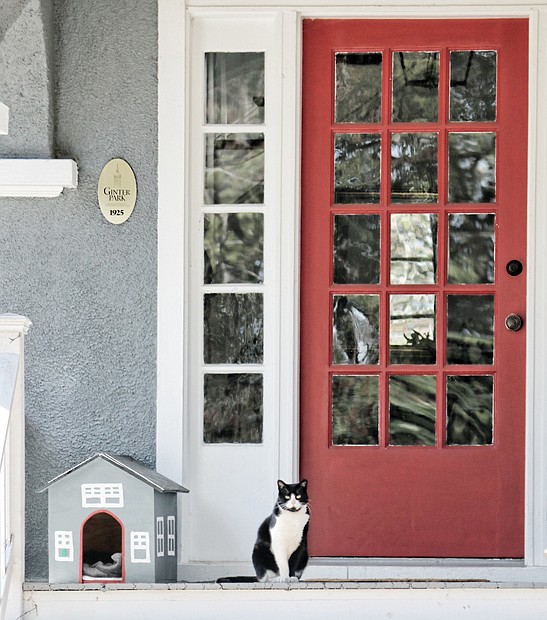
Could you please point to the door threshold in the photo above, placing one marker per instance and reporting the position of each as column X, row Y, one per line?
column 381, row 561
column 425, row 569
column 345, row 569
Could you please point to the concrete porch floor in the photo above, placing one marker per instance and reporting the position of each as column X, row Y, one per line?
column 316, row 600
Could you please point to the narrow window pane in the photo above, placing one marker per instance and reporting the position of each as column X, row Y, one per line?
column 357, row 168
column 235, row 87
column 412, row 410
column 233, row 328
column 355, row 410
column 234, row 168
column 233, row 411
column 412, row 329
column 471, row 167
column 233, row 247
column 469, row 410
column 358, row 88
column 471, row 239
column 415, row 86
column 414, row 168
column 355, row 329
column 470, row 326
column 413, row 248
column 356, row 249
column 473, row 86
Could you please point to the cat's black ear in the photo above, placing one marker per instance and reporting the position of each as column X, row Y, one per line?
column 304, row 483
column 280, row 484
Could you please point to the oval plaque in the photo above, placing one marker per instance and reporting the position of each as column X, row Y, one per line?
column 117, row 191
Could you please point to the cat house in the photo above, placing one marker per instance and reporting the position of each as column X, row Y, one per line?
column 112, row 518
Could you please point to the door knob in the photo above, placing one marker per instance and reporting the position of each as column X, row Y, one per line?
column 513, row 322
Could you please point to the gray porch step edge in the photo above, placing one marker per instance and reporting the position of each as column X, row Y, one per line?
column 301, row 585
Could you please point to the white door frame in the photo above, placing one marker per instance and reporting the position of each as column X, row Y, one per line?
column 172, row 259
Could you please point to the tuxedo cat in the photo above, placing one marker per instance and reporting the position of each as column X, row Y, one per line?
column 281, row 549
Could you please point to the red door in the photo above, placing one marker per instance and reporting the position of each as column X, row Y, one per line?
column 413, row 285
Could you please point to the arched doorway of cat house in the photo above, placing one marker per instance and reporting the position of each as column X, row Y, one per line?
column 102, row 548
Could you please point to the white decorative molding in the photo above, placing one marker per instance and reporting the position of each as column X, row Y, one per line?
column 14, row 324
column 37, row 177
column 4, row 119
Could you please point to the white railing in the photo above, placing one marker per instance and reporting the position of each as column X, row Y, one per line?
column 9, row 363
column 12, row 465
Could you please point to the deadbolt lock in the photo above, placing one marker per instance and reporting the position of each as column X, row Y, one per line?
column 514, row 267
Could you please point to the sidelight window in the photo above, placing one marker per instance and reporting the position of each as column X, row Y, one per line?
column 233, row 221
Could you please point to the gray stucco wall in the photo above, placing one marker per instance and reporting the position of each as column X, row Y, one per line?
column 25, row 77
column 81, row 81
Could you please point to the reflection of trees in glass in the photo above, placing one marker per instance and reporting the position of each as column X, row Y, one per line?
column 414, row 168
column 413, row 248
column 471, row 248
column 420, row 348
column 469, row 401
column 412, row 410
column 233, row 410
column 355, row 410
column 470, row 329
column 233, row 328
column 234, row 168
column 415, row 86
column 235, row 87
column 472, row 86
column 412, row 329
column 471, row 167
column 356, row 249
column 233, row 247
column 355, row 326
column 357, row 168
column 358, row 88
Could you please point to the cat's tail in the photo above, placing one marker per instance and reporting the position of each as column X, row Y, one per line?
column 237, row 580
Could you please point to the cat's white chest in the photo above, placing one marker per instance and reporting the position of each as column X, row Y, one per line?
column 287, row 533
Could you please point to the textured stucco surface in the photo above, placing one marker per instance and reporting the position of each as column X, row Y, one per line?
column 25, row 77
column 88, row 286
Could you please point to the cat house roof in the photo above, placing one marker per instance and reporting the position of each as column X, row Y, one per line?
column 131, row 466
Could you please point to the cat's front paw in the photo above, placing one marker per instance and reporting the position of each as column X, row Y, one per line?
column 281, row 579
column 293, row 580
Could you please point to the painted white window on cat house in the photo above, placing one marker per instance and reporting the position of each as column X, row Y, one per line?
column 64, row 547
column 160, row 537
column 140, row 547
column 171, row 535
column 102, row 495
